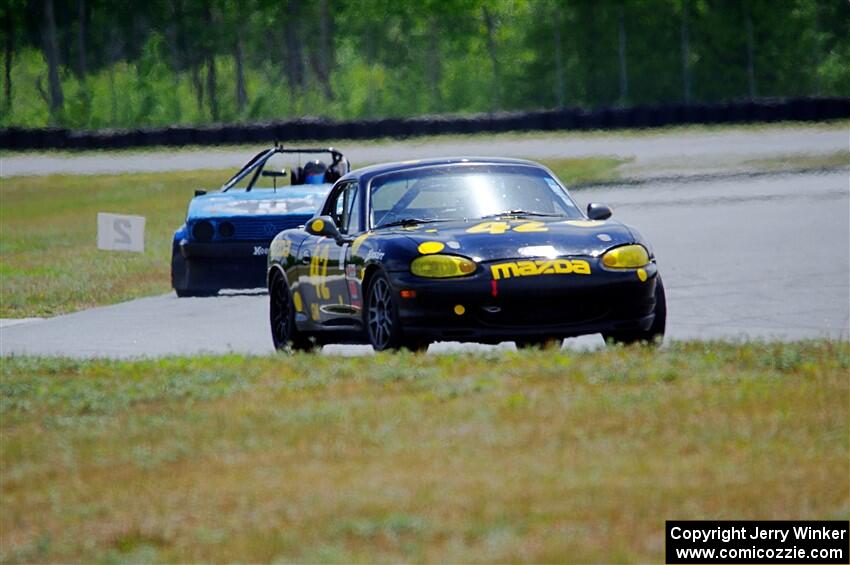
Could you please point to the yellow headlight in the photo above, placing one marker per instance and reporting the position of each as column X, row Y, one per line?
column 442, row 266
column 626, row 257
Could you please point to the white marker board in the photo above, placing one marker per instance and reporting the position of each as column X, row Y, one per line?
column 117, row 232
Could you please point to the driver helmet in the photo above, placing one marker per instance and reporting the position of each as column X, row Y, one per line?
column 314, row 172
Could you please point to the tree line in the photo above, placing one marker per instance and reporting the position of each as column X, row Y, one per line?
column 101, row 63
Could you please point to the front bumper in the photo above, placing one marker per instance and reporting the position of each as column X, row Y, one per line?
column 217, row 265
column 473, row 309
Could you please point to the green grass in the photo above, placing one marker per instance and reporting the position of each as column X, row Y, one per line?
column 49, row 261
column 801, row 162
column 587, row 170
column 526, row 456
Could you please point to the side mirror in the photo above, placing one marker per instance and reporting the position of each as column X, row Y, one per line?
column 597, row 211
column 273, row 173
column 324, row 226
column 200, row 192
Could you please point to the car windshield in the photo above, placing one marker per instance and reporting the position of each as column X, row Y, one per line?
column 459, row 192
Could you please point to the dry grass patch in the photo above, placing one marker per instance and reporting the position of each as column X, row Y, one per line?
column 527, row 456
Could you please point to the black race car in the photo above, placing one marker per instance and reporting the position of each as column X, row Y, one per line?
column 476, row 249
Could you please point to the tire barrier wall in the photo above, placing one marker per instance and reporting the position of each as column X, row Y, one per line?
column 762, row 111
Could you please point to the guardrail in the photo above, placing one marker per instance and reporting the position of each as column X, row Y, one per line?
column 318, row 129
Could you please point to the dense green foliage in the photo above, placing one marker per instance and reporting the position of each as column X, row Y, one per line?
column 94, row 63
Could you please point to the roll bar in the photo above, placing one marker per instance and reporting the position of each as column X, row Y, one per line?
column 257, row 162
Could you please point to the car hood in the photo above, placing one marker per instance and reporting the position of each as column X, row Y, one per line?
column 486, row 240
column 300, row 200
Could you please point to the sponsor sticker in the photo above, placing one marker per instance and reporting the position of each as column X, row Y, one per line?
column 540, row 267
column 281, row 247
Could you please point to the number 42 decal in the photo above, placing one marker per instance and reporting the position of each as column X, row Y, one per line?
column 502, row 227
column 319, row 271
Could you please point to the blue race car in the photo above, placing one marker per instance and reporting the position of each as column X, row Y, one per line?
column 477, row 249
column 225, row 240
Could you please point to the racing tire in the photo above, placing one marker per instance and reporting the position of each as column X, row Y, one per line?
column 655, row 334
column 380, row 316
column 179, row 278
column 285, row 334
column 180, row 281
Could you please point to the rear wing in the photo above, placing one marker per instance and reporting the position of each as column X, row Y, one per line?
column 339, row 164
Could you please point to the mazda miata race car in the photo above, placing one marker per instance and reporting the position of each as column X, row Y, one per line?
column 225, row 240
column 477, row 249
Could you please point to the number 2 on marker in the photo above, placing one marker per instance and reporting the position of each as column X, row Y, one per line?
column 122, row 230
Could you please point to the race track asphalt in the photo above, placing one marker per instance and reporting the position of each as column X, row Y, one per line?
column 651, row 153
column 750, row 257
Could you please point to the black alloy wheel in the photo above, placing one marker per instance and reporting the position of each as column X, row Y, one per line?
column 382, row 322
column 381, row 315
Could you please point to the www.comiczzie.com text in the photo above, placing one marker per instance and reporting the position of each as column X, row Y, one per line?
column 757, row 541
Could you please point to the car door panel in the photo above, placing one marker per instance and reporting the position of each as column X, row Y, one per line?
column 322, row 262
